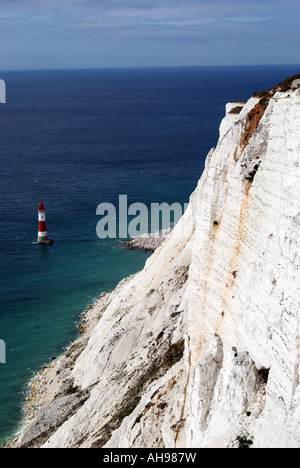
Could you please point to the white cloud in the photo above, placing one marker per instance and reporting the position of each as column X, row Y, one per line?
column 250, row 19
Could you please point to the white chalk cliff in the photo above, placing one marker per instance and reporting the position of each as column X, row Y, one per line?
column 202, row 347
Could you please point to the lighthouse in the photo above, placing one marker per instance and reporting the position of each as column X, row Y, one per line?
column 42, row 233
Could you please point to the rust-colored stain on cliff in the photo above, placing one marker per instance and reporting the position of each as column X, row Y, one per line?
column 256, row 114
column 233, row 265
column 253, row 119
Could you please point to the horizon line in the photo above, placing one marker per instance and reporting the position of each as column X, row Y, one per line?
column 139, row 67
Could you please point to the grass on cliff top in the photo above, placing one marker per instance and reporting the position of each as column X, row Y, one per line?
column 283, row 87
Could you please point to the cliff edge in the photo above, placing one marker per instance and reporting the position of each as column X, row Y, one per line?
column 202, row 347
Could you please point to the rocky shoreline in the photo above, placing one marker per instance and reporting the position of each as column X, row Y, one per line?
column 148, row 242
column 52, row 388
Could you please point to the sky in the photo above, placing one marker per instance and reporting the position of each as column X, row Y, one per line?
column 45, row 34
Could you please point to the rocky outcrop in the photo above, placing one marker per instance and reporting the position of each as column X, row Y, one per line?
column 147, row 242
column 202, row 347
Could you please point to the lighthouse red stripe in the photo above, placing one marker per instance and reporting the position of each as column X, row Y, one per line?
column 42, row 226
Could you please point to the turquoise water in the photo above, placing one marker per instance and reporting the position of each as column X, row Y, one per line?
column 75, row 139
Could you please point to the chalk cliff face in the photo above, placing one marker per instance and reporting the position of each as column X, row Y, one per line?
column 202, row 347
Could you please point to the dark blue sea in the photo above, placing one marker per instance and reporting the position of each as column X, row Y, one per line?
column 75, row 139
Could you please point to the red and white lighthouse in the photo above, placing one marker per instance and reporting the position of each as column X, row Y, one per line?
column 42, row 234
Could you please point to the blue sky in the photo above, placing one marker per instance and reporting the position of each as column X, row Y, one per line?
column 41, row 34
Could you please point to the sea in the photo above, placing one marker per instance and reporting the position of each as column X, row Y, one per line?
column 75, row 139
